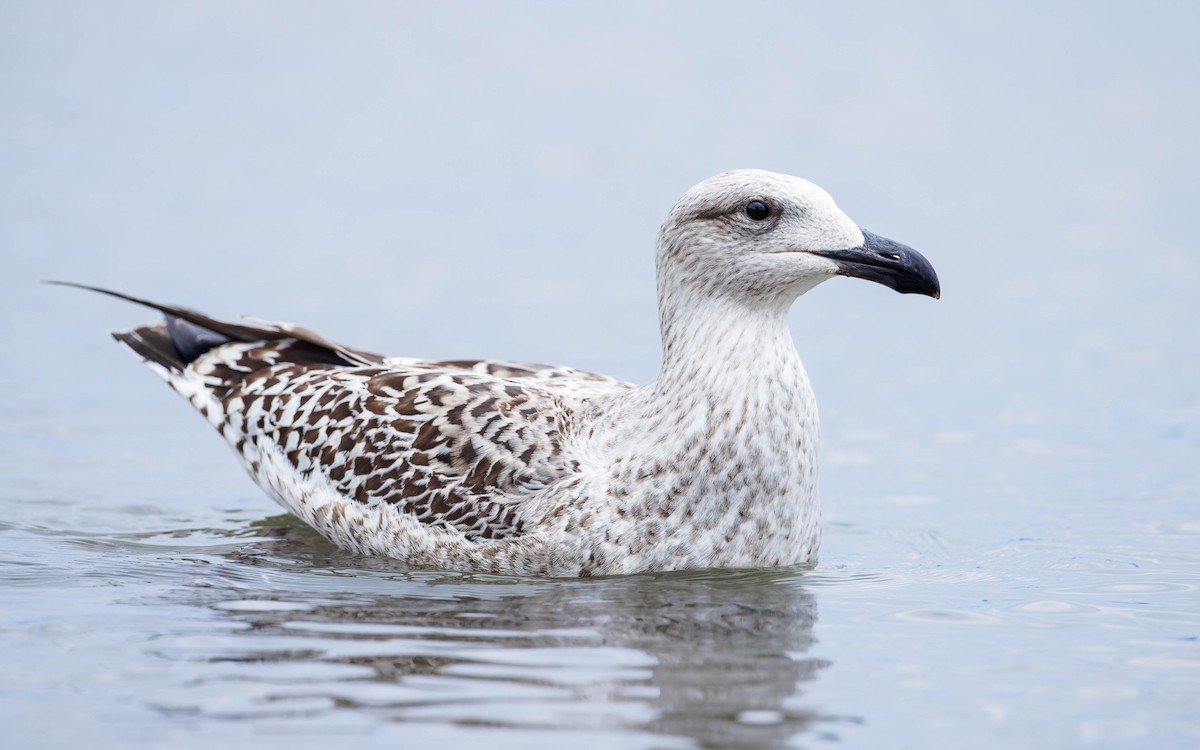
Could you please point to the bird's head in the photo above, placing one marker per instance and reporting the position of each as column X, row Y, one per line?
column 755, row 235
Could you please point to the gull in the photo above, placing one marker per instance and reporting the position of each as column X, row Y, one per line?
column 525, row 469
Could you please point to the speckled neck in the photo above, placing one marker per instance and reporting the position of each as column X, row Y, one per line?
column 721, row 450
column 734, row 364
column 718, row 345
column 723, row 335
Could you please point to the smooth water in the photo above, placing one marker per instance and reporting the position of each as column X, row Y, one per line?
column 1010, row 478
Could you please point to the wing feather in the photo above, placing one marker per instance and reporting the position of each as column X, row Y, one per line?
column 457, row 444
column 451, row 447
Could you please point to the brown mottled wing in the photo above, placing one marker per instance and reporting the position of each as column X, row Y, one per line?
column 563, row 381
column 448, row 445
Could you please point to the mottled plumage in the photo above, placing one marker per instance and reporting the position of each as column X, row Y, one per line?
column 531, row 469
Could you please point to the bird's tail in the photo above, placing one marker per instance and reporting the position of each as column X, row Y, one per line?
column 186, row 335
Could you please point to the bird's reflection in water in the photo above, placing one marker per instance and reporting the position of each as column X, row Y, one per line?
column 714, row 657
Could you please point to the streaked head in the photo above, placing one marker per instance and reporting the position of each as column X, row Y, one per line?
column 760, row 235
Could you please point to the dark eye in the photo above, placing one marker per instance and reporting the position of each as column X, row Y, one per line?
column 757, row 210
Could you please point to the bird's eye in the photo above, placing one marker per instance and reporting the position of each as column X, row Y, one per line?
column 758, row 211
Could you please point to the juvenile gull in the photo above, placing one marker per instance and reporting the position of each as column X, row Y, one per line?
column 536, row 470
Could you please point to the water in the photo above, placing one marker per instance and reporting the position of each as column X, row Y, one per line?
column 1012, row 547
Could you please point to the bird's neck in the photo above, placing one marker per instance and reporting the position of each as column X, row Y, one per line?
column 730, row 375
column 715, row 344
column 722, row 449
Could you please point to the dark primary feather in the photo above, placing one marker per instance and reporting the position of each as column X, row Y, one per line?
column 191, row 333
column 234, row 331
column 153, row 343
column 191, row 340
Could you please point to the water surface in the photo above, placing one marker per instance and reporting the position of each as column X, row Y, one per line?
column 1012, row 525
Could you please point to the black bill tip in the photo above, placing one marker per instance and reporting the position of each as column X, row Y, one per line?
column 889, row 263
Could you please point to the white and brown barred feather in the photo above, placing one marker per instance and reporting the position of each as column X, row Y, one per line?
column 453, row 444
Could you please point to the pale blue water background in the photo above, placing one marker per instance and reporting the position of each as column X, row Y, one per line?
column 1010, row 474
